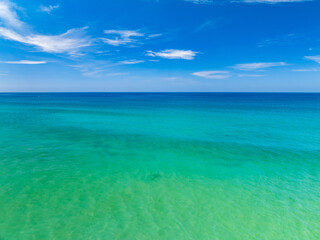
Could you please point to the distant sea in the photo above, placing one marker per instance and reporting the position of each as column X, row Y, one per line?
column 169, row 166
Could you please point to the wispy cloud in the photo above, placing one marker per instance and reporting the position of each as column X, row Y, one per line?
column 207, row 25
column 284, row 39
column 173, row 54
column 154, row 35
column 93, row 68
column 258, row 66
column 315, row 58
column 48, row 9
column 99, row 69
column 70, row 42
column 27, row 62
column 212, row 74
column 122, row 37
column 131, row 62
column 8, row 14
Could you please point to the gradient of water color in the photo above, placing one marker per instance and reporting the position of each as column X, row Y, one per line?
column 159, row 166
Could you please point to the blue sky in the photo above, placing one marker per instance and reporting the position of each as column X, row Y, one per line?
column 160, row 45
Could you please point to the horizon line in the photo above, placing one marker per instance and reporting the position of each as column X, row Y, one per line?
column 152, row 92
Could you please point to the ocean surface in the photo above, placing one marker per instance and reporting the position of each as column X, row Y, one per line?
column 148, row 166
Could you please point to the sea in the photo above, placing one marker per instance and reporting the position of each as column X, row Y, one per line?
column 167, row 166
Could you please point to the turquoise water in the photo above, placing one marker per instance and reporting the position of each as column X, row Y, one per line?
column 159, row 166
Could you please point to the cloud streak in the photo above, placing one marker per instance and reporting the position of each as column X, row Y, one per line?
column 8, row 14
column 129, row 62
column 212, row 74
column 26, row 62
column 70, row 42
column 258, row 66
column 315, row 58
column 173, row 54
column 48, row 9
column 122, row 37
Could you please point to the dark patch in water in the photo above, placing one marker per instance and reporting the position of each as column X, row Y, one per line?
column 154, row 176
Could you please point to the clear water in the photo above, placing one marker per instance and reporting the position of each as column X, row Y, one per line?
column 159, row 166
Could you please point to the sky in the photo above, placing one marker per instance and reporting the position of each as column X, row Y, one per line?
column 160, row 46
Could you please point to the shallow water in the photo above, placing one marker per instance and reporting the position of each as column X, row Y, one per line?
column 159, row 166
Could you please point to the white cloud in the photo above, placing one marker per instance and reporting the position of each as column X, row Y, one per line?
column 154, row 35
column 125, row 33
column 13, row 29
column 173, row 54
column 114, row 42
column 69, row 42
column 8, row 14
column 315, row 58
column 212, row 74
column 131, row 62
column 48, row 9
column 28, row 62
column 124, row 37
column 258, row 66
